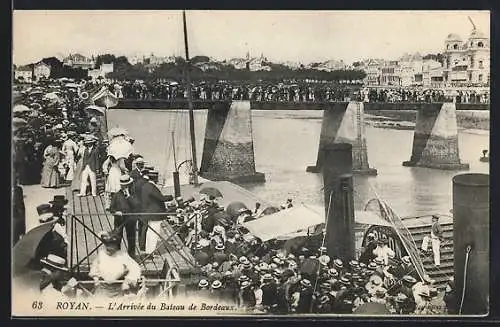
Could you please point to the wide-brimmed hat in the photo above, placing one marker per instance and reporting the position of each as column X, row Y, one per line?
column 305, row 282
column 245, row 284
column 406, row 259
column 400, row 298
column 409, row 279
column 267, row 276
column 337, row 263
column 216, row 284
column 45, row 213
column 54, row 261
column 126, row 180
column 59, row 200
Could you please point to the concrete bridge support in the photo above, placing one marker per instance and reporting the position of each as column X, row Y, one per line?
column 228, row 153
column 435, row 141
column 344, row 123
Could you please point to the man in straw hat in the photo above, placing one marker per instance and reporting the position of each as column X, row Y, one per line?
column 53, row 275
column 90, row 164
column 125, row 202
column 113, row 270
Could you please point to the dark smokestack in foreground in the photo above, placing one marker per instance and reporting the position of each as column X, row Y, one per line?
column 338, row 192
column 471, row 229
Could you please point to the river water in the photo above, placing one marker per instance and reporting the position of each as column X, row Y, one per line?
column 286, row 142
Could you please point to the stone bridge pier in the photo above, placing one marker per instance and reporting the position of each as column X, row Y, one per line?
column 435, row 140
column 344, row 123
column 228, row 152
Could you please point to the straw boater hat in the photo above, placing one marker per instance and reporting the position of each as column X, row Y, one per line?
column 324, row 260
column 305, row 283
column 379, row 261
column 55, row 262
column 409, row 279
column 337, row 263
column 126, row 180
column 216, row 284
column 203, row 283
column 400, row 298
column 406, row 259
column 220, row 247
column 45, row 213
column 333, row 272
column 245, row 284
column 267, row 277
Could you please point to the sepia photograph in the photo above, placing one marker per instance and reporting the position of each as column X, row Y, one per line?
column 176, row 163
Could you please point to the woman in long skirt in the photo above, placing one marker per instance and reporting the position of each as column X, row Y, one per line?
column 50, row 171
column 111, row 168
column 69, row 148
column 77, row 175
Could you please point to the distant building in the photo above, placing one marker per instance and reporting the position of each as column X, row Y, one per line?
column 24, row 73
column 41, row 71
column 79, row 61
column 467, row 62
column 390, row 73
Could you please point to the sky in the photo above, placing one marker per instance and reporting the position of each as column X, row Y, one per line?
column 299, row 36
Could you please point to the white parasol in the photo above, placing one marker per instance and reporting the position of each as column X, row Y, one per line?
column 119, row 147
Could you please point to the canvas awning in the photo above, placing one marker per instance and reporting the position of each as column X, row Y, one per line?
column 283, row 223
column 360, row 217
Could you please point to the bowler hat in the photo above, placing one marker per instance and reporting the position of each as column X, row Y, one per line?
column 45, row 213
column 59, row 200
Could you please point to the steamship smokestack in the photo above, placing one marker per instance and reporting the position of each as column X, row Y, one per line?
column 339, row 202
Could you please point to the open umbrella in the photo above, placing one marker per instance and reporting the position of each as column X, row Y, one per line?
column 372, row 308
column 120, row 148
column 211, row 191
column 21, row 108
column 25, row 249
column 233, row 209
column 96, row 110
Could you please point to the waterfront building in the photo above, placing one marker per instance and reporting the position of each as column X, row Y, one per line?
column 79, row 61
column 467, row 62
column 24, row 73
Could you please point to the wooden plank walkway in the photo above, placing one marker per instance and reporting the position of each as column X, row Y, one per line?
column 89, row 217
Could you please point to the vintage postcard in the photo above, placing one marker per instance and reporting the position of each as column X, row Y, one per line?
column 256, row 163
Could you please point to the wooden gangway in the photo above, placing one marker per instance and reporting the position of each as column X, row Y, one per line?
column 88, row 217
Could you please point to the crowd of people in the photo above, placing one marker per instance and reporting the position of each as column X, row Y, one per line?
column 291, row 92
column 234, row 267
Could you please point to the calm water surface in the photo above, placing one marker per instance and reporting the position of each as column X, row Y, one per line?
column 286, row 142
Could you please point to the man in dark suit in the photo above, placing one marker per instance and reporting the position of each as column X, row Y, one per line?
column 136, row 171
column 152, row 201
column 90, row 166
column 125, row 202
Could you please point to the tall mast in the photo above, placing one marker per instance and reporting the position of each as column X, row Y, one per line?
column 190, row 104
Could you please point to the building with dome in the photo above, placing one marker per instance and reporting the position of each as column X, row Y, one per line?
column 467, row 62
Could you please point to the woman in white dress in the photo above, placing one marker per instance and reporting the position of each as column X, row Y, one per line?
column 112, row 170
column 69, row 149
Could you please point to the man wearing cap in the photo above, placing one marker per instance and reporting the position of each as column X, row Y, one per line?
column 435, row 239
column 383, row 251
column 136, row 171
column 113, row 270
column 305, row 297
column 125, row 202
column 246, row 296
column 90, row 165
column 219, row 255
